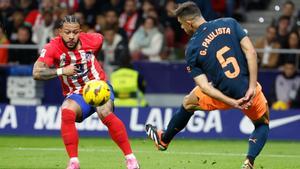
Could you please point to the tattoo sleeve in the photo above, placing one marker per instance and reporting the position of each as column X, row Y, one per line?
column 42, row 72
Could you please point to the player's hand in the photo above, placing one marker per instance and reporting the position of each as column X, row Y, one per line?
column 237, row 103
column 248, row 98
column 69, row 70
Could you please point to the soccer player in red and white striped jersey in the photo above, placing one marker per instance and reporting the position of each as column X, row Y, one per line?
column 71, row 57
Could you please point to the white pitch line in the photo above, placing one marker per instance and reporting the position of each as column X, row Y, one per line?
column 152, row 152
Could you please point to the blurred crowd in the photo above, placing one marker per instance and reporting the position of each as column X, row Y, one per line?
column 147, row 30
column 283, row 33
column 133, row 29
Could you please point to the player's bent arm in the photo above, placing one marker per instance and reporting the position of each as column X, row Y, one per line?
column 41, row 71
column 251, row 57
column 208, row 89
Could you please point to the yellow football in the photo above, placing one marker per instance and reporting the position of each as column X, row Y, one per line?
column 96, row 92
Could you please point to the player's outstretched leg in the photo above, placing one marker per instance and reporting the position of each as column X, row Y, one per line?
column 118, row 133
column 257, row 141
column 177, row 123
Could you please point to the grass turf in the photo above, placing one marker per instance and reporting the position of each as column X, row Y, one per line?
column 102, row 153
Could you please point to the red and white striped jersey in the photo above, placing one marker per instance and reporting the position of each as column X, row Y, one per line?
column 55, row 54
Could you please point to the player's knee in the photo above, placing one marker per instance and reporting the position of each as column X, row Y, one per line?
column 67, row 116
column 189, row 102
column 102, row 114
column 185, row 102
column 105, row 110
column 189, row 107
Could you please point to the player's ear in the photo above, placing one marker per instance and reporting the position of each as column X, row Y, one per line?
column 190, row 23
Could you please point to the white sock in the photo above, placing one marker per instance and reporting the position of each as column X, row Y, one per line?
column 74, row 159
column 130, row 156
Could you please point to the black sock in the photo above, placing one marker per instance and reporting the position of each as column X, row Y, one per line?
column 176, row 124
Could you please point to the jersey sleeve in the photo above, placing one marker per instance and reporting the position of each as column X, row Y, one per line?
column 98, row 39
column 240, row 32
column 47, row 55
column 193, row 65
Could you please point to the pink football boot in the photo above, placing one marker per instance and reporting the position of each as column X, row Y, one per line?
column 132, row 163
column 73, row 165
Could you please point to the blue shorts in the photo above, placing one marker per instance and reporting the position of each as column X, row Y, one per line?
column 87, row 109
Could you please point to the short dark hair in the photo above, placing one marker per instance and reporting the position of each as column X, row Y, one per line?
column 271, row 26
column 26, row 28
column 282, row 17
column 154, row 20
column 69, row 19
column 111, row 10
column 187, row 10
column 109, row 28
column 290, row 59
column 289, row 3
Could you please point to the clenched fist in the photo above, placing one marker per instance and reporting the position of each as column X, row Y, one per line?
column 69, row 70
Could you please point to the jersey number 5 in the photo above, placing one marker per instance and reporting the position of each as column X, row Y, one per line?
column 224, row 62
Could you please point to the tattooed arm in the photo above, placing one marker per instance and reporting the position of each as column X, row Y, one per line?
column 41, row 71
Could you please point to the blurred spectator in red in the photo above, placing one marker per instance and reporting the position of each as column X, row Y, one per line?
column 288, row 10
column 115, row 50
column 268, row 59
column 22, row 56
column 36, row 14
column 282, row 31
column 43, row 30
column 14, row 24
column 147, row 41
column 3, row 51
column 112, row 20
column 129, row 20
column 286, row 86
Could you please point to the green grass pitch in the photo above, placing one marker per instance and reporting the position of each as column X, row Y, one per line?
column 102, row 153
